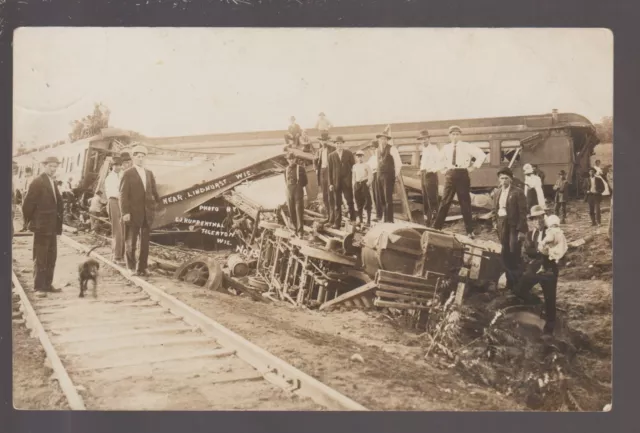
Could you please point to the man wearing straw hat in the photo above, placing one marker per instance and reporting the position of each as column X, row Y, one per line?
column 43, row 211
column 430, row 165
column 138, row 200
column 457, row 156
column 389, row 165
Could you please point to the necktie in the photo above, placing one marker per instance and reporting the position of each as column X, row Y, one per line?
column 453, row 159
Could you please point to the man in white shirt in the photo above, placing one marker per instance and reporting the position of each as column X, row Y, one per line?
column 389, row 166
column 457, row 160
column 323, row 124
column 362, row 178
column 112, row 192
column 430, row 165
column 95, row 209
column 374, row 185
column 321, row 163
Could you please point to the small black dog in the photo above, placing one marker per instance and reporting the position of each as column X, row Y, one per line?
column 88, row 271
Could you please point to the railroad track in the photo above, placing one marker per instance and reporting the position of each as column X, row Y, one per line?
column 135, row 347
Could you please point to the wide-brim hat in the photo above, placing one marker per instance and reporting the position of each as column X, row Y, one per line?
column 339, row 139
column 124, row 157
column 116, row 160
column 50, row 160
column 424, row 134
column 592, row 169
column 507, row 171
column 453, row 128
column 536, row 211
column 139, row 149
column 527, row 168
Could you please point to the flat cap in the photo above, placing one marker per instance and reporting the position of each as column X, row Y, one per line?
column 424, row 134
column 454, row 128
column 139, row 149
column 360, row 153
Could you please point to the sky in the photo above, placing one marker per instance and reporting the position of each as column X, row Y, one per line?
column 176, row 81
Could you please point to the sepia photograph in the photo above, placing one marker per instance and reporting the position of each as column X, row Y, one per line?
column 312, row 219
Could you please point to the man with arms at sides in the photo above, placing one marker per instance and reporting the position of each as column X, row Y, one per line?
column 457, row 156
column 389, row 165
column 295, row 178
column 375, row 185
column 112, row 192
column 362, row 178
column 138, row 200
column 43, row 211
column 430, row 165
column 510, row 213
column 341, row 163
column 321, row 164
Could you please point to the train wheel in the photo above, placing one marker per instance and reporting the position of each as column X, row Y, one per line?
column 203, row 272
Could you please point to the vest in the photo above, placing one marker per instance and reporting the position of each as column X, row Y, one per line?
column 385, row 161
column 292, row 174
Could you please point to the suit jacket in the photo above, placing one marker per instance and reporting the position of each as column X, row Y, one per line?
column 599, row 185
column 42, row 212
column 561, row 190
column 317, row 160
column 516, row 208
column 301, row 175
column 134, row 200
column 340, row 168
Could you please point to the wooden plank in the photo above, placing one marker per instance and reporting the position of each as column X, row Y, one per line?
column 352, row 293
column 399, row 305
column 396, row 289
column 396, row 276
column 368, row 302
column 358, row 302
column 68, row 388
column 383, row 294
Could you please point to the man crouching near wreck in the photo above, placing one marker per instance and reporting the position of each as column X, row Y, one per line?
column 545, row 246
column 510, row 212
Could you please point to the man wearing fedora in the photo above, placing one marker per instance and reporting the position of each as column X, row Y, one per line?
column 510, row 213
column 457, row 161
column 594, row 188
column 389, row 166
column 560, row 198
column 321, row 164
column 138, row 200
column 430, row 165
column 112, row 194
column 126, row 161
column 532, row 187
column 295, row 178
column 341, row 162
column 43, row 211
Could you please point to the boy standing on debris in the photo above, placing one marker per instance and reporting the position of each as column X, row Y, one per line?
column 561, row 196
column 544, row 248
column 296, row 180
column 362, row 178
column 510, row 212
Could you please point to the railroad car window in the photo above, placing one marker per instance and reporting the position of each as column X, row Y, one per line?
column 508, row 149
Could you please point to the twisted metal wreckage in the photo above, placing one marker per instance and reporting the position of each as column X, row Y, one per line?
column 401, row 265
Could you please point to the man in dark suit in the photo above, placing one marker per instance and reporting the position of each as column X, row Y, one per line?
column 561, row 188
column 295, row 178
column 341, row 163
column 43, row 209
column 594, row 188
column 321, row 164
column 510, row 213
column 138, row 199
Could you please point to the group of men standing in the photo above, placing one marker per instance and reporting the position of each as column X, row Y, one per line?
column 132, row 197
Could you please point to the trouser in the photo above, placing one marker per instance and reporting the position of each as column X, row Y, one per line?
column 456, row 181
column 117, row 229
column 594, row 207
column 343, row 188
column 386, row 182
column 375, row 189
column 94, row 221
column 548, row 280
column 532, row 199
column 131, row 234
column 561, row 206
column 292, row 138
column 511, row 251
column 429, row 196
column 45, row 252
column 295, row 201
column 326, row 194
column 363, row 199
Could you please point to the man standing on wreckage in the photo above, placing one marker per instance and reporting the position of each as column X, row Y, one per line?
column 457, row 156
column 341, row 163
column 389, row 165
column 321, row 164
